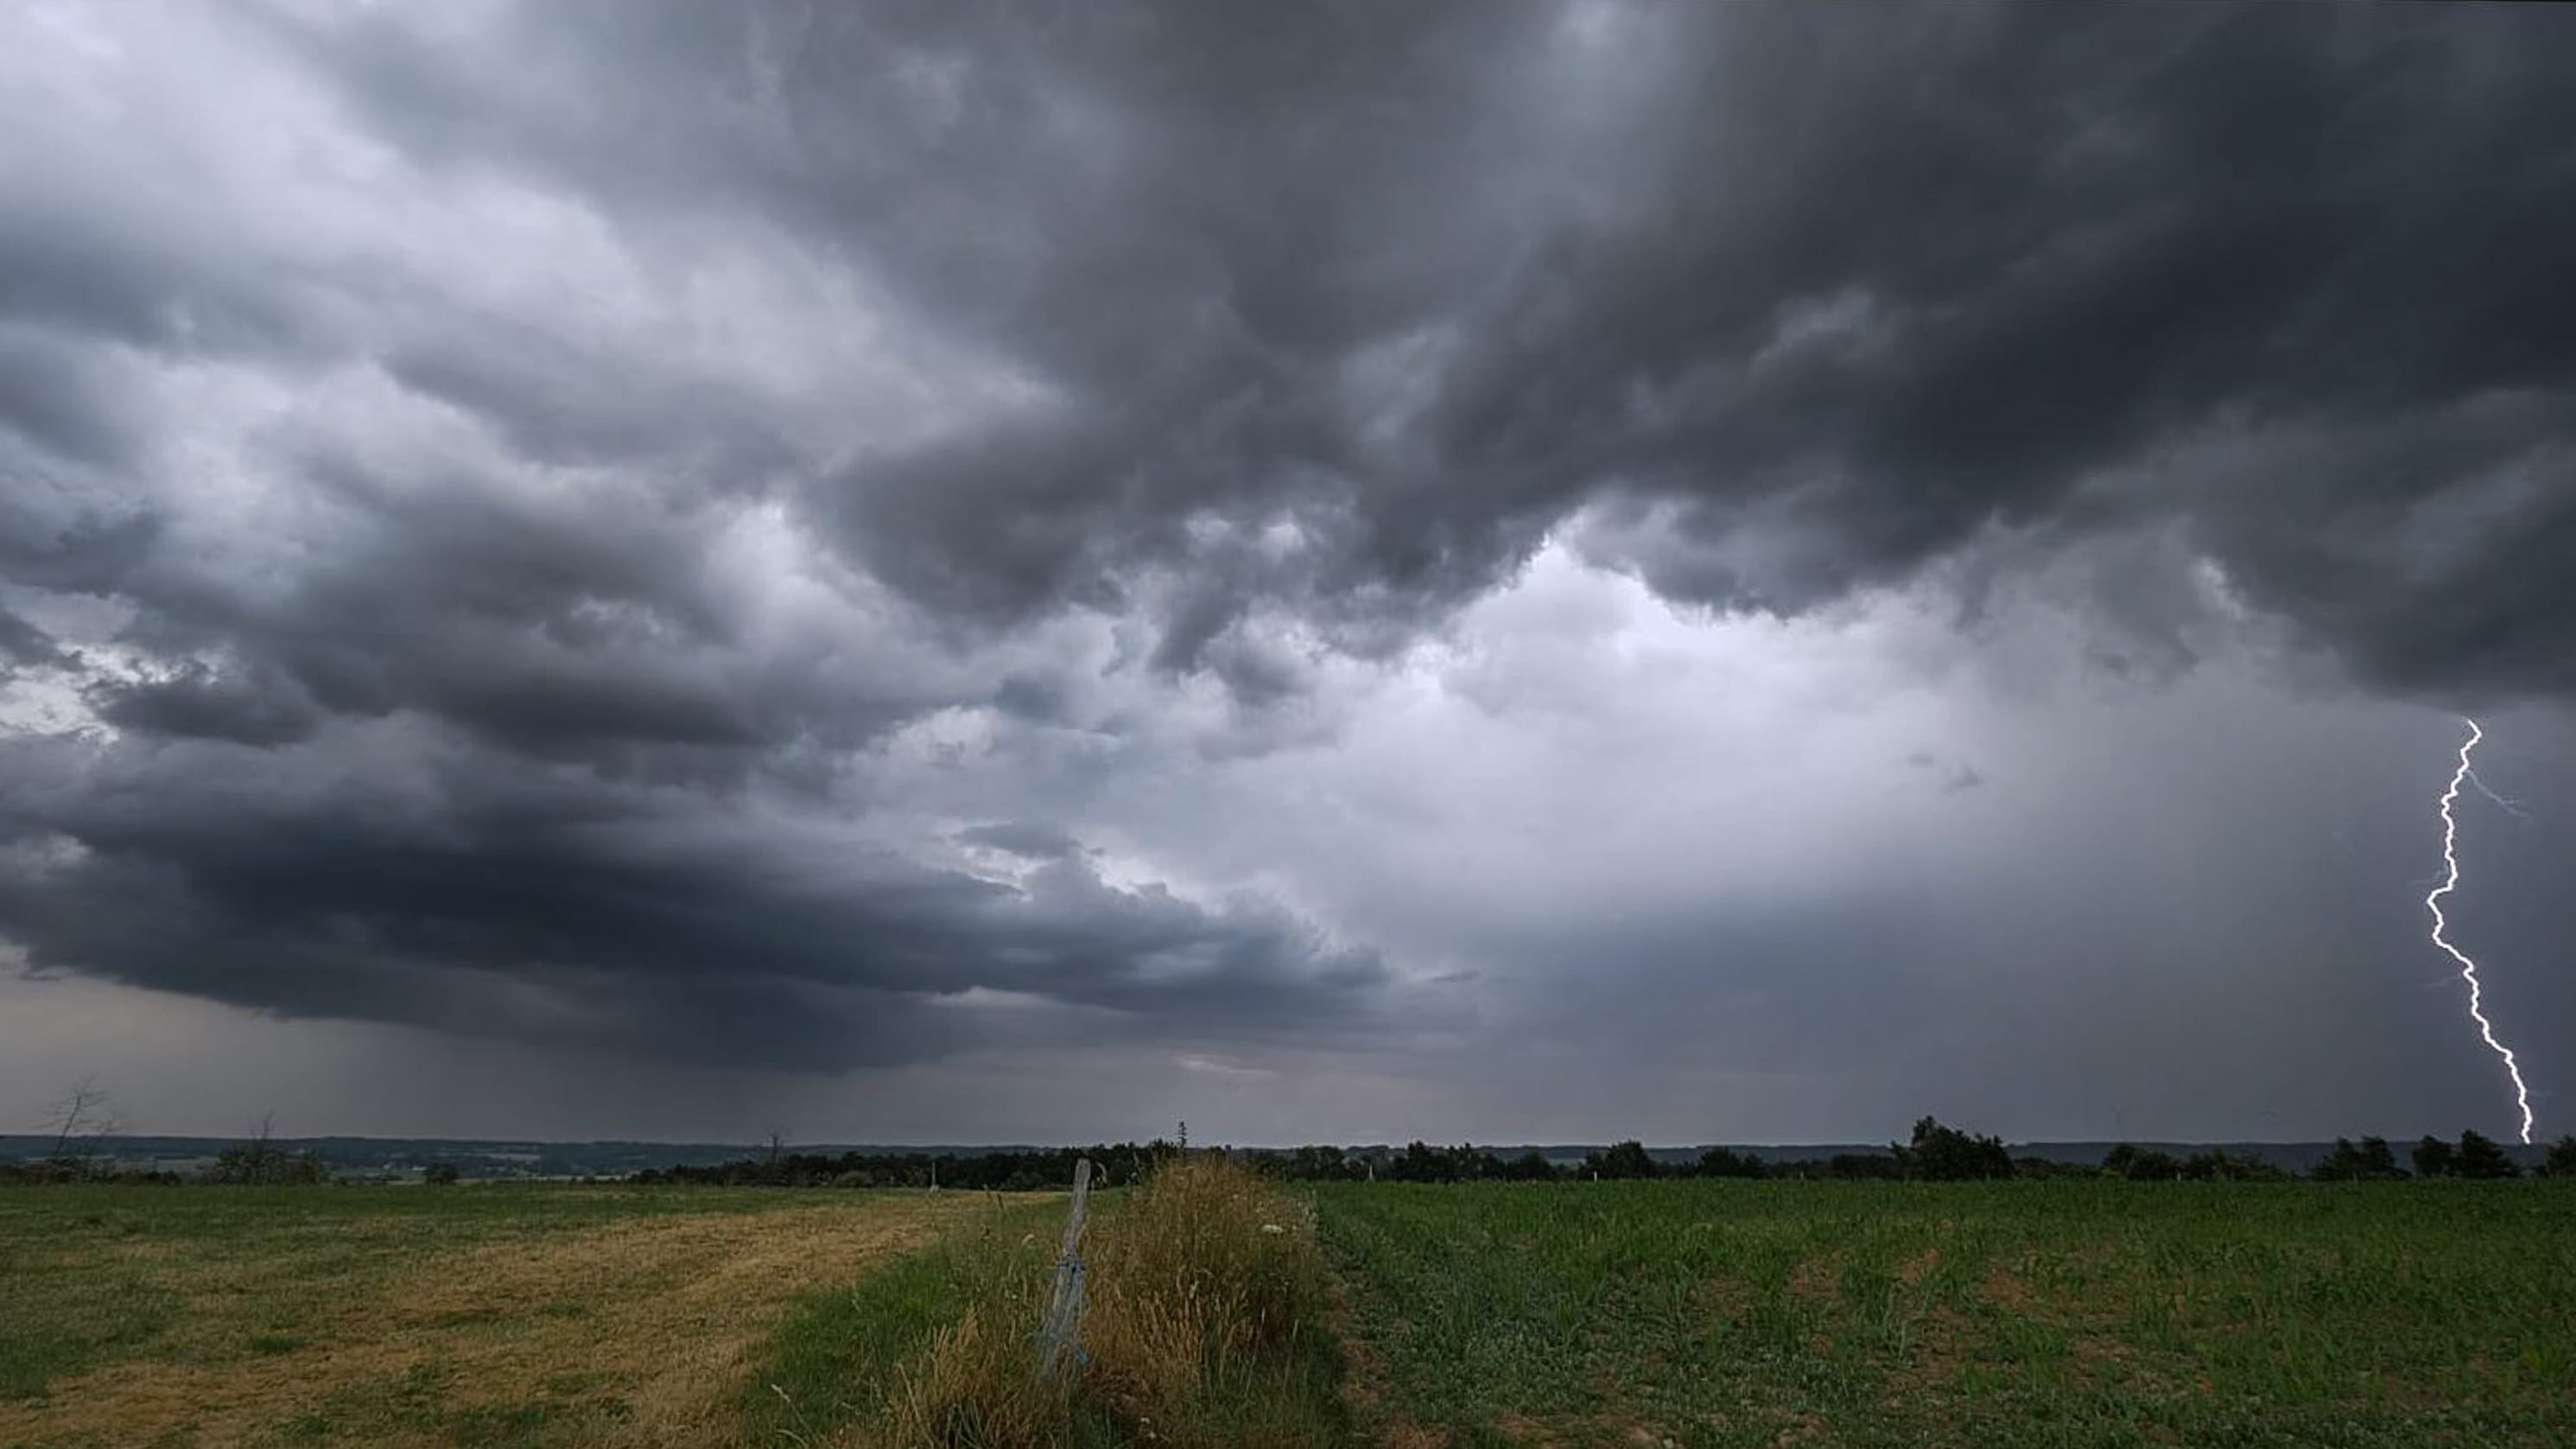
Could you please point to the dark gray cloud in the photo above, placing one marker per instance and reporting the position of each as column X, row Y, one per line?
column 765, row 532
column 1820, row 297
column 88, row 554
column 47, row 398
column 196, row 702
column 478, row 899
column 22, row 643
column 84, row 253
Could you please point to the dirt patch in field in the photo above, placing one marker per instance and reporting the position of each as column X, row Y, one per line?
column 1367, row 1383
column 1726, row 1295
column 1933, row 1361
column 2005, row 1289
column 635, row 1333
column 1816, row 1280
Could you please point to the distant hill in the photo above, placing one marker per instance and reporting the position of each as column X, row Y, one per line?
column 474, row 1157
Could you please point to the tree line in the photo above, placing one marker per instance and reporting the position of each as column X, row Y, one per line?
column 1933, row 1153
column 1023, row 1170
column 84, row 1122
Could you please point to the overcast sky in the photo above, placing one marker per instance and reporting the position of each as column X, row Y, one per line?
column 1492, row 571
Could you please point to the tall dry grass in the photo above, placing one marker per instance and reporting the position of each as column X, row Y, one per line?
column 1205, row 1286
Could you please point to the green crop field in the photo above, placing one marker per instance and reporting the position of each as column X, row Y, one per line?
column 2003, row 1314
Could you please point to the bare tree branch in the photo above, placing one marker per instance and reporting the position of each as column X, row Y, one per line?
column 86, row 1114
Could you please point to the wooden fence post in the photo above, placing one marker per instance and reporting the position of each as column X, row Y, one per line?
column 1058, row 1331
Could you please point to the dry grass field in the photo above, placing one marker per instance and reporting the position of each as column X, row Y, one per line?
column 413, row 1316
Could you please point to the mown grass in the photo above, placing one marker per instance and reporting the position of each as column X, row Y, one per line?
column 833, row 1361
column 2007, row 1314
column 93, row 1274
column 529, row 1315
column 1205, row 1292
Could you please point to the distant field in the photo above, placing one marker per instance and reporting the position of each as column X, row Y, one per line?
column 513, row 1315
column 2005, row 1314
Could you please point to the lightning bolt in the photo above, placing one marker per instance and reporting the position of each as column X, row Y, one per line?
column 2450, row 882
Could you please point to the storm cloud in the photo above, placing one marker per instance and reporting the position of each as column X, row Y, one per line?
column 845, row 537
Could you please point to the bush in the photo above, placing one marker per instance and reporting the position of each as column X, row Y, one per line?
column 440, row 1174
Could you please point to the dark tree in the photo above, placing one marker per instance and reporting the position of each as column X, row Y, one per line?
column 1625, row 1160
column 2561, row 1161
column 2372, row 1161
column 2479, row 1156
column 1475, row 1164
column 2141, row 1164
column 2218, row 1165
column 1313, row 1164
column 1720, row 1162
column 1422, row 1162
column 440, row 1174
column 2381, row 1158
column 1946, row 1154
column 2433, row 1157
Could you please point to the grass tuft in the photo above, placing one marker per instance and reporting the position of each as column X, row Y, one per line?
column 1205, row 1289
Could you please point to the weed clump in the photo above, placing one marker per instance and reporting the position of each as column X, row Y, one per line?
column 1205, row 1287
